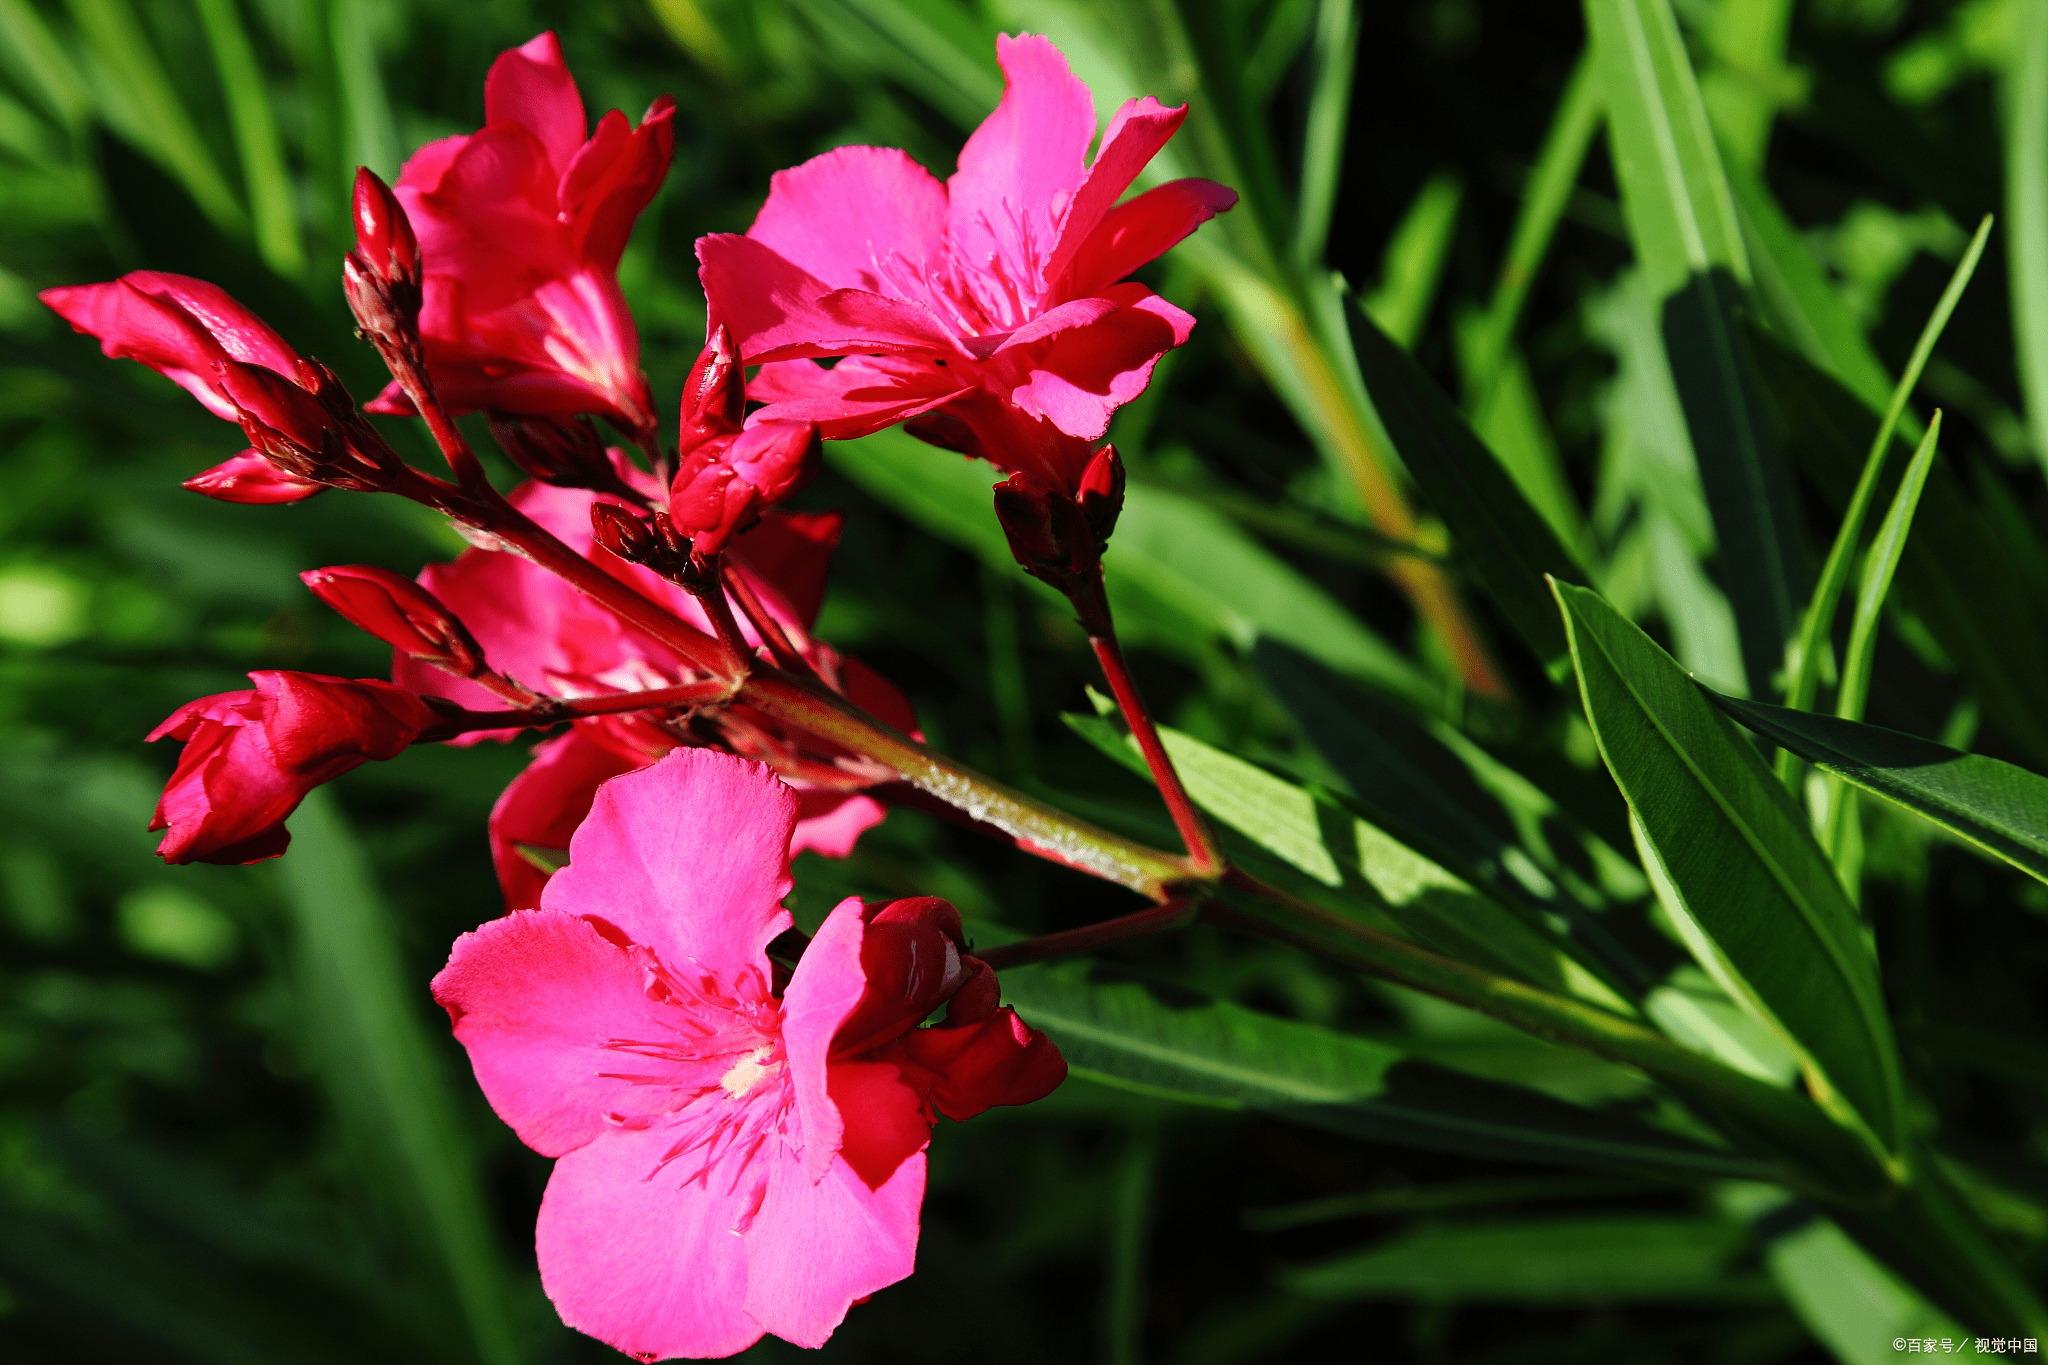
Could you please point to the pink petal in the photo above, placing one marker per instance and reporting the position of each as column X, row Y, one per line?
column 1142, row 230
column 134, row 325
column 772, row 307
column 633, row 1256
column 1021, row 167
column 997, row 1061
column 243, row 335
column 1083, row 376
column 1065, row 318
column 844, row 215
column 531, row 85
column 543, row 806
column 614, row 177
column 1134, row 136
column 826, row 987
column 423, row 170
column 859, row 395
column 689, row 857
column 819, row 1245
column 535, row 997
column 830, row 823
column 885, row 1119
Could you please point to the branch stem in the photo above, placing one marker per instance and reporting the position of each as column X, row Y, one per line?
column 1174, row 914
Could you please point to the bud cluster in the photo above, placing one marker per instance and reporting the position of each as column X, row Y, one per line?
column 727, row 471
column 1060, row 537
column 381, row 274
column 653, row 542
column 306, row 424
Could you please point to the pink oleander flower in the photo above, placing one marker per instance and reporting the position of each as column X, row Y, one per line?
column 739, row 1151
column 189, row 331
column 251, row 756
column 537, row 629
column 988, row 307
column 520, row 228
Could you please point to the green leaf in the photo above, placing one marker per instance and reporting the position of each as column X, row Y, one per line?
column 2026, row 194
column 1544, row 196
column 145, row 109
column 1993, row 806
column 1855, row 1305
column 1171, row 557
column 1339, row 852
column 1335, row 55
column 35, row 56
column 1688, row 241
column 248, row 100
column 1554, row 1260
column 1414, row 261
column 1681, row 214
column 1759, row 903
column 1819, row 618
column 371, row 135
column 1507, row 542
column 934, row 48
column 1956, row 575
column 388, row 1086
column 1224, row 1056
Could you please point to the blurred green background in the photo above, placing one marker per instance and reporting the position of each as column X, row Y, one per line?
column 234, row 1128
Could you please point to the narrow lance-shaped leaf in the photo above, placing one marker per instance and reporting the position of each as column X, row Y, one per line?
column 1220, row 1055
column 1996, row 807
column 2026, row 196
column 1957, row 575
column 388, row 1087
column 1414, row 261
column 1507, row 542
column 248, row 103
column 1820, row 612
column 1360, row 867
column 1688, row 240
column 1756, row 899
column 1335, row 55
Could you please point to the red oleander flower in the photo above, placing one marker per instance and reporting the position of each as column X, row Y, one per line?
column 988, row 307
column 251, row 756
column 520, row 226
column 191, row 332
column 537, row 629
column 739, row 1151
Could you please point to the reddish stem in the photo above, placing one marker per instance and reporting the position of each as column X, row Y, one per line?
column 403, row 358
column 554, row 710
column 1092, row 605
column 1174, row 914
column 711, row 595
column 765, row 625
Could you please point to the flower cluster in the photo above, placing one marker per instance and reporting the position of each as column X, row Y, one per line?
column 739, row 1138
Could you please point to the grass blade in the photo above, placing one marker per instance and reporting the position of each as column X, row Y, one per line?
column 33, row 53
column 1820, row 612
column 376, row 1059
column 1544, row 196
column 1414, row 260
column 147, row 111
column 369, row 134
column 1329, row 110
column 2026, row 203
column 1878, row 568
column 1130, row 1224
column 270, row 188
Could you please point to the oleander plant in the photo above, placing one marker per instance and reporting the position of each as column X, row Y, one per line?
column 1011, row 680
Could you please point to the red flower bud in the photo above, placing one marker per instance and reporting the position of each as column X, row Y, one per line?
column 715, row 394
column 721, row 485
column 623, row 533
column 251, row 479
column 384, row 239
column 381, row 276
column 251, row 756
column 399, row 612
column 561, row 451
column 274, row 410
column 1102, row 494
column 1047, row 531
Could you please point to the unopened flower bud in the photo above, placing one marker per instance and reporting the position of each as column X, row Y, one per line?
column 306, row 434
column 381, row 276
column 715, row 394
column 1102, row 494
column 561, row 451
column 252, row 480
column 273, row 409
column 384, row 236
column 622, row 533
column 1047, row 531
column 399, row 612
column 721, row 486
